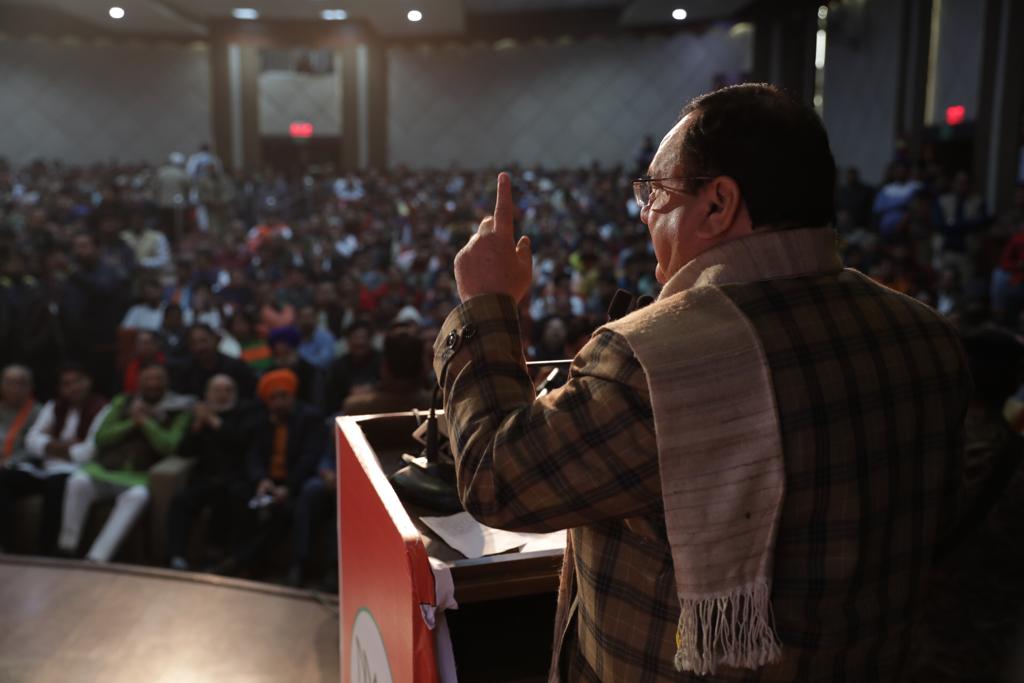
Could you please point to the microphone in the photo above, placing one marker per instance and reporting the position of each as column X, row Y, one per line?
column 544, row 386
column 644, row 300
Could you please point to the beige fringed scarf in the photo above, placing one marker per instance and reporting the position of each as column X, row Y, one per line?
column 719, row 446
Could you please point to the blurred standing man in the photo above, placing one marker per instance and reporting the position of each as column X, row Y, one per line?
column 202, row 164
column 171, row 188
column 756, row 468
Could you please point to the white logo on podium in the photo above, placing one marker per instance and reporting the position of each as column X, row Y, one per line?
column 369, row 660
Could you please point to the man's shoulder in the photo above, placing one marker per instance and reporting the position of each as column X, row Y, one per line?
column 665, row 315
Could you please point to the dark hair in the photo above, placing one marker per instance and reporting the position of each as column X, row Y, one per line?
column 360, row 324
column 201, row 326
column 403, row 354
column 71, row 366
column 152, row 364
column 774, row 147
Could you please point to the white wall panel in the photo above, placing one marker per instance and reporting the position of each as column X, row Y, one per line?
column 86, row 103
column 287, row 96
column 554, row 104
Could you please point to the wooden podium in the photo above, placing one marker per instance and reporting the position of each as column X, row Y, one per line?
column 385, row 577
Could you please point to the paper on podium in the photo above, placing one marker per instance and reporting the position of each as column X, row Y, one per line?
column 552, row 541
column 473, row 539
column 470, row 537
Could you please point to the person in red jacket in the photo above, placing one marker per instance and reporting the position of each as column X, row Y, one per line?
column 1007, row 290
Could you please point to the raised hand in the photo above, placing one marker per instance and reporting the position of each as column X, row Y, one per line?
column 492, row 262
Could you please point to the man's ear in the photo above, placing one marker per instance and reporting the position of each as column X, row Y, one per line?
column 723, row 207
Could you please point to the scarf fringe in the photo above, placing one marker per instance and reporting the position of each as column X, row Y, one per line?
column 736, row 629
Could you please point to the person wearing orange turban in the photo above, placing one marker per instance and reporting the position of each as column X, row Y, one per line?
column 288, row 441
column 277, row 381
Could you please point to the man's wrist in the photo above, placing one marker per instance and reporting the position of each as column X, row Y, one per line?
column 487, row 322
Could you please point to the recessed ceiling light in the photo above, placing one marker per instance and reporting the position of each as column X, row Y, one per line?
column 679, row 14
column 334, row 15
column 116, row 13
column 414, row 15
column 246, row 13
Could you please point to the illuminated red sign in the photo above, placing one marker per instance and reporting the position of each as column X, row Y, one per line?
column 955, row 115
column 300, row 129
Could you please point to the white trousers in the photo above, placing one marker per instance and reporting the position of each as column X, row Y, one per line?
column 79, row 496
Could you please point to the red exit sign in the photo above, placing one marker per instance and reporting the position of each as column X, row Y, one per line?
column 955, row 114
column 300, row 129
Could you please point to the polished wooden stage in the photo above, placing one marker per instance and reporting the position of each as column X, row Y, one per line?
column 69, row 621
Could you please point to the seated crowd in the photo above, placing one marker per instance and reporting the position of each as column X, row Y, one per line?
column 229, row 333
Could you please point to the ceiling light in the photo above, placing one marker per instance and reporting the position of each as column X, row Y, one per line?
column 414, row 15
column 334, row 15
column 246, row 13
column 116, row 13
column 679, row 14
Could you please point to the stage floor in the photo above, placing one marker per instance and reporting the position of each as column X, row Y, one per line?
column 70, row 621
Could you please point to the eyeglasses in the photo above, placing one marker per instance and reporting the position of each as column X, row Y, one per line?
column 642, row 186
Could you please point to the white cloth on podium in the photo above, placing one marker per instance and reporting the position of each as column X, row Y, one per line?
column 433, row 615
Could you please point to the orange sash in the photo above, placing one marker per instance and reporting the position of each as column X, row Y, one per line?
column 16, row 426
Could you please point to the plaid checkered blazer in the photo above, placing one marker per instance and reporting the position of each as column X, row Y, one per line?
column 871, row 390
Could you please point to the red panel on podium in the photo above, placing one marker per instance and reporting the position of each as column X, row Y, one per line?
column 384, row 573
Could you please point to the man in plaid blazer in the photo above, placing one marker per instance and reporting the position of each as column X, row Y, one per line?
column 867, row 394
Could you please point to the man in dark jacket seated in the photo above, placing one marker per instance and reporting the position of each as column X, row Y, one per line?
column 218, row 439
column 287, row 442
column 206, row 361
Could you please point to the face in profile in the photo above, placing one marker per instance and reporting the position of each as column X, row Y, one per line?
column 359, row 342
column 74, row 386
column 221, row 392
column 84, row 249
column 280, row 402
column 146, row 345
column 201, row 343
column 153, row 384
column 15, row 386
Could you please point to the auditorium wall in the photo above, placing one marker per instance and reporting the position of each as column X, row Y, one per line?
column 556, row 104
column 84, row 103
column 286, row 96
column 860, row 91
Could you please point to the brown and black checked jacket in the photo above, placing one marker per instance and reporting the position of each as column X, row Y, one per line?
column 871, row 391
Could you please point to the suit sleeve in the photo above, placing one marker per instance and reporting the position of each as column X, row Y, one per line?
column 579, row 455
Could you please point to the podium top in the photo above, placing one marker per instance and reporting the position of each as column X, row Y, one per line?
column 507, row 575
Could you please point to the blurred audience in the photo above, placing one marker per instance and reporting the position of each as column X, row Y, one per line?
column 341, row 281
column 970, row 626
column 402, row 379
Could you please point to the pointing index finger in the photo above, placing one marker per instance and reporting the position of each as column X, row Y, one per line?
column 503, row 207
